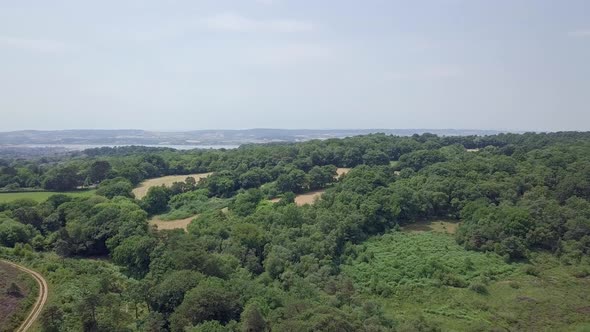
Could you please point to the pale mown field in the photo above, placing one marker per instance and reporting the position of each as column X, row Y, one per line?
column 167, row 181
column 171, row 224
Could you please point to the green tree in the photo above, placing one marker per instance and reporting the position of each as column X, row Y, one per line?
column 115, row 187
column 210, row 300
column 62, row 179
column 134, row 254
column 156, row 200
column 252, row 320
column 98, row 171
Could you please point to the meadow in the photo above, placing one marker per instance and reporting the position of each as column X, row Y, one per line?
column 40, row 196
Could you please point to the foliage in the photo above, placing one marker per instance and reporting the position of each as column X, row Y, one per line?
column 341, row 264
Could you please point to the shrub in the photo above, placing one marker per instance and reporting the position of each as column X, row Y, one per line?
column 478, row 288
column 13, row 290
column 581, row 273
column 514, row 284
column 532, row 270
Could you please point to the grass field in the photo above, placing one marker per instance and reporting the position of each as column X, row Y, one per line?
column 426, row 276
column 143, row 187
column 41, row 196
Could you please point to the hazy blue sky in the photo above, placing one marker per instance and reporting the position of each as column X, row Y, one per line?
column 175, row 65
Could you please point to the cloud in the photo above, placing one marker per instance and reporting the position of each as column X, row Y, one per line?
column 235, row 22
column 580, row 33
column 35, row 45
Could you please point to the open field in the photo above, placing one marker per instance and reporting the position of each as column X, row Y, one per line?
column 426, row 274
column 14, row 308
column 439, row 226
column 41, row 196
column 143, row 187
column 171, row 224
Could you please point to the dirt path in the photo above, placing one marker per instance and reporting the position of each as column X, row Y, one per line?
column 41, row 299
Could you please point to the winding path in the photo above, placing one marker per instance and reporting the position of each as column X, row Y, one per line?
column 41, row 299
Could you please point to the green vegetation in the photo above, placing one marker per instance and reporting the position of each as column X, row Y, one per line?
column 356, row 260
column 428, row 276
column 40, row 196
column 400, row 262
column 18, row 292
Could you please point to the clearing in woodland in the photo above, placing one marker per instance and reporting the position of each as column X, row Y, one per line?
column 167, row 181
column 310, row 197
column 41, row 196
column 439, row 226
column 171, row 224
column 342, row 171
column 428, row 276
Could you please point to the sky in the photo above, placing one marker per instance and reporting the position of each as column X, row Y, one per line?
column 297, row 64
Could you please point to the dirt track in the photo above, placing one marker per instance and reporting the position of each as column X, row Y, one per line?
column 41, row 298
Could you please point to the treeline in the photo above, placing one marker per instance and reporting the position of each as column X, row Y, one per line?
column 261, row 266
column 137, row 163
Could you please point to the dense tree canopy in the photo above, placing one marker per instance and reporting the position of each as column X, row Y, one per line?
column 247, row 264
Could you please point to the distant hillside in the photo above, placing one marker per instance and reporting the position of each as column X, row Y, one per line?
column 202, row 137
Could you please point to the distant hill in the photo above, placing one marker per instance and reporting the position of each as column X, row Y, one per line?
column 202, row 137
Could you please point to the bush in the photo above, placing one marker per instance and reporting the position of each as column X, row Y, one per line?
column 478, row 288
column 514, row 284
column 532, row 270
column 13, row 290
column 581, row 273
